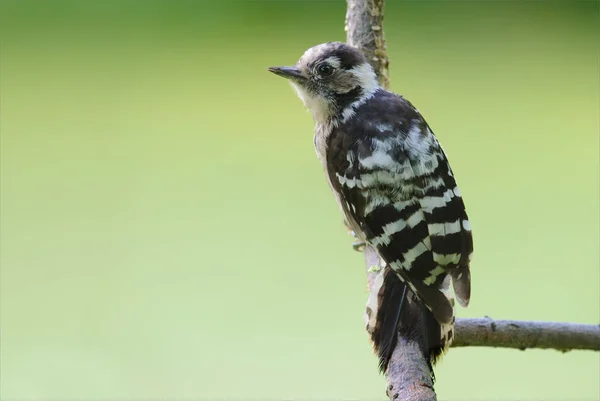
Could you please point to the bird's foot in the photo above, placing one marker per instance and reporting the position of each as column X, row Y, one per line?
column 359, row 246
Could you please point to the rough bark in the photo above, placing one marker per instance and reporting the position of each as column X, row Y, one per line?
column 364, row 30
column 486, row 332
column 407, row 375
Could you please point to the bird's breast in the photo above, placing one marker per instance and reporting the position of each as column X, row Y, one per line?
column 320, row 141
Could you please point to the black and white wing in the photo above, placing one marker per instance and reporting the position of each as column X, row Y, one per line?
column 397, row 190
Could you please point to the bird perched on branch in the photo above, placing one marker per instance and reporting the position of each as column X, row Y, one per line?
column 397, row 192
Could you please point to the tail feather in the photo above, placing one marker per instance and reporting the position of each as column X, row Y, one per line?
column 393, row 296
column 461, row 282
column 399, row 311
column 440, row 302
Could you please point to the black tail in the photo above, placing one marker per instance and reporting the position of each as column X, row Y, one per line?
column 401, row 312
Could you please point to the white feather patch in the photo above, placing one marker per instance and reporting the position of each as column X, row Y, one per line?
column 445, row 228
column 389, row 230
column 446, row 259
column 366, row 78
column 415, row 219
column 376, row 201
column 378, row 159
column 418, row 143
column 333, row 61
column 412, row 254
column 433, row 275
column 400, row 206
column 318, row 105
column 368, row 81
column 428, row 203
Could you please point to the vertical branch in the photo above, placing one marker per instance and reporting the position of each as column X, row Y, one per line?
column 408, row 375
column 364, row 30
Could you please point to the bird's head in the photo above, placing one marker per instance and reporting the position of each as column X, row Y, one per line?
column 329, row 77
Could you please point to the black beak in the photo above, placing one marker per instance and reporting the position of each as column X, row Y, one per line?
column 287, row 72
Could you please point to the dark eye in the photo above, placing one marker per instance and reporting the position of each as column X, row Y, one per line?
column 325, row 70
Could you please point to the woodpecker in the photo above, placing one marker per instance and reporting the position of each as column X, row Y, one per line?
column 396, row 190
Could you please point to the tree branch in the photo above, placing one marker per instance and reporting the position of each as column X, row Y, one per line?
column 408, row 375
column 364, row 30
column 486, row 332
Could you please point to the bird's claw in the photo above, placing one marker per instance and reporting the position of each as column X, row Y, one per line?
column 359, row 246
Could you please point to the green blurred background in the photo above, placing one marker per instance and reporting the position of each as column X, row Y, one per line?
column 167, row 231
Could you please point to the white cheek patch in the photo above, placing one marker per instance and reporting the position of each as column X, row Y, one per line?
column 367, row 78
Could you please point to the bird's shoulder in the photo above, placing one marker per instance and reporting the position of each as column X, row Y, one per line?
column 383, row 114
column 386, row 130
